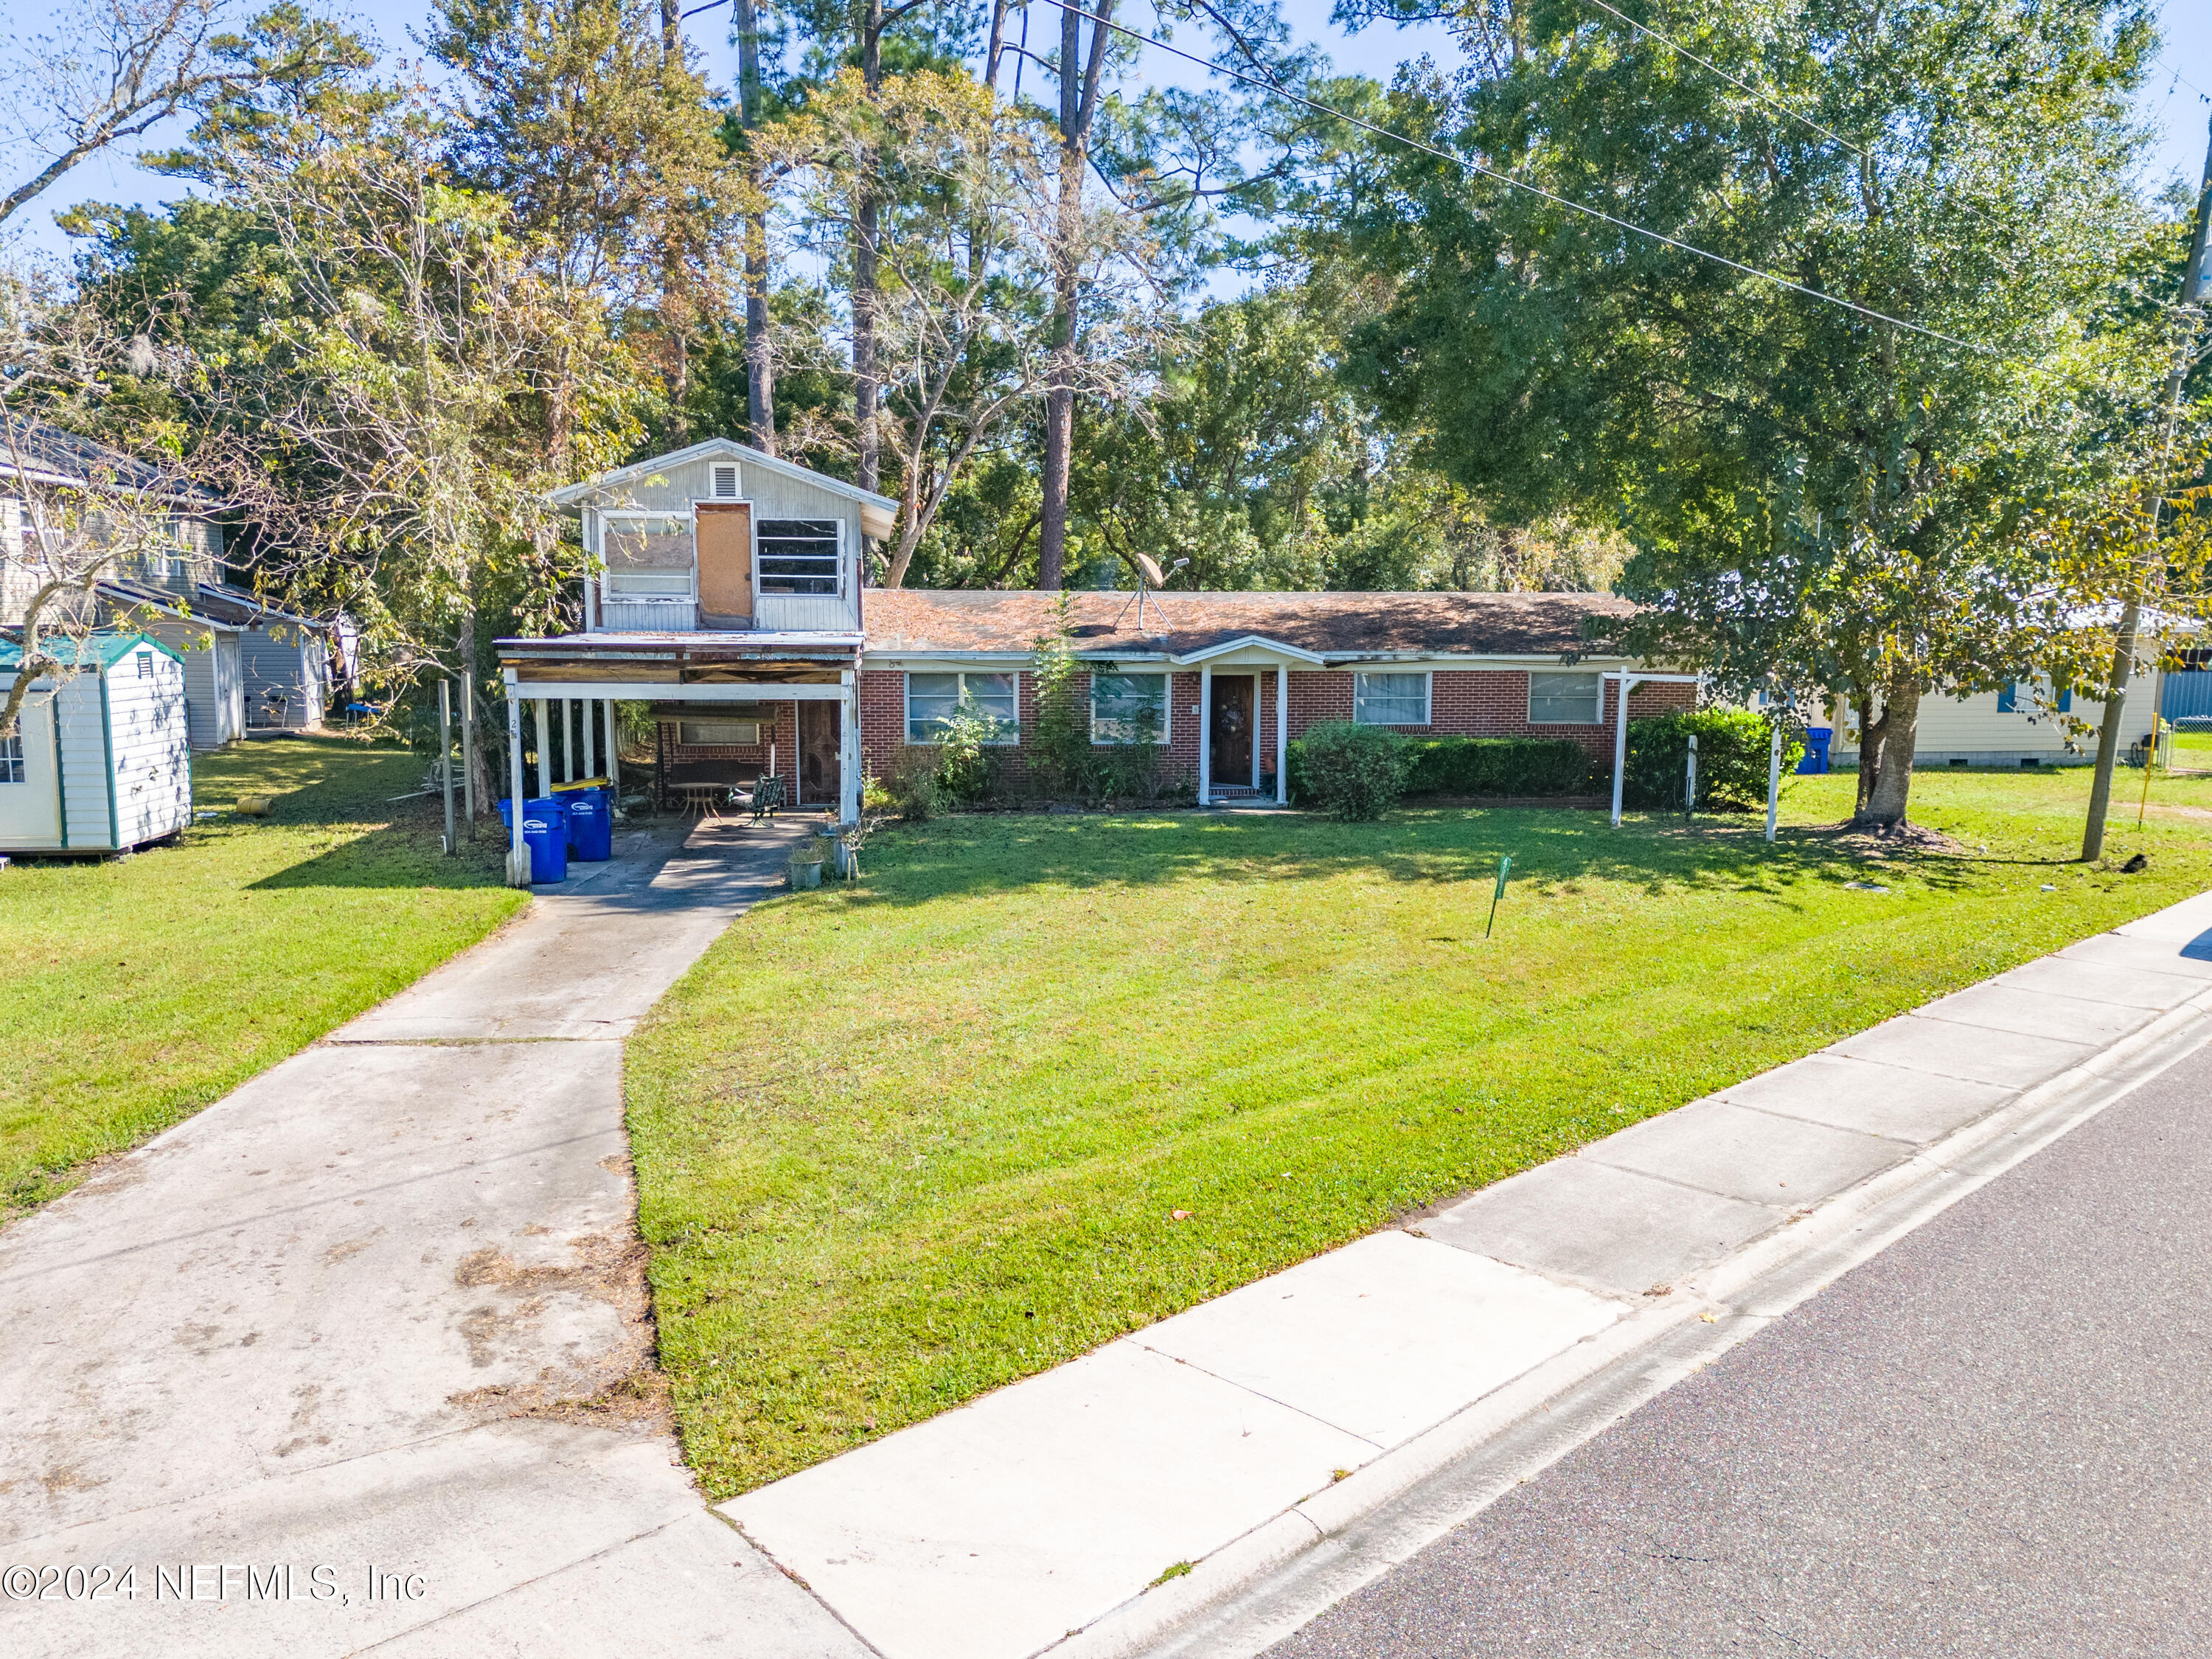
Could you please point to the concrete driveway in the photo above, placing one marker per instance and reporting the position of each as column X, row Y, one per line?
column 357, row 1358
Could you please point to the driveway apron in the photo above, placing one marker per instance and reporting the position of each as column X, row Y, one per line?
column 358, row 1358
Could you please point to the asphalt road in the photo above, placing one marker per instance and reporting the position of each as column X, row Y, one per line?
column 1994, row 1438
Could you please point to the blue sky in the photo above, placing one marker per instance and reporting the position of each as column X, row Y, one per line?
column 2173, row 102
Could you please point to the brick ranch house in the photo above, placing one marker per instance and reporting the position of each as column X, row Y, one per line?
column 725, row 592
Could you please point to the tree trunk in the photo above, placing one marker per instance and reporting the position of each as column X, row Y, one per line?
column 1077, row 100
column 1891, row 791
column 473, row 737
column 760, row 375
column 1869, row 762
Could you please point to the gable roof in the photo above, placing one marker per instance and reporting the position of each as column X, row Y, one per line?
column 1186, row 627
column 51, row 456
column 95, row 650
column 727, row 449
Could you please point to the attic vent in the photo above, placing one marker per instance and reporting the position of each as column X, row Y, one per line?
column 726, row 483
column 145, row 664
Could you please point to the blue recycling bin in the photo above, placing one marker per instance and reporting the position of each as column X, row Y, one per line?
column 1815, row 759
column 551, row 808
column 591, row 828
column 548, row 842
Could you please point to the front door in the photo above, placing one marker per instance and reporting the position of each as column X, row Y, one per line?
column 818, row 752
column 724, row 550
column 1233, row 718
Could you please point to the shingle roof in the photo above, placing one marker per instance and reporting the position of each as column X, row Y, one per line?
column 66, row 458
column 1330, row 625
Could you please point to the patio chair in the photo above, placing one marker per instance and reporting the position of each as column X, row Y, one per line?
column 767, row 796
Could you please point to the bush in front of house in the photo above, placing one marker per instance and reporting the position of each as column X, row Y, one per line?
column 1356, row 772
column 1496, row 766
column 1732, row 758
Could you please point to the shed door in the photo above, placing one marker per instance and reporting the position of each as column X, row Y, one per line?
column 30, row 795
column 726, row 564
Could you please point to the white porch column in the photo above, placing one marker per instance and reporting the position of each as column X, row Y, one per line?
column 518, row 858
column 544, row 752
column 614, row 749
column 1619, row 741
column 568, row 772
column 591, row 738
column 849, row 755
column 1282, row 734
column 1205, row 733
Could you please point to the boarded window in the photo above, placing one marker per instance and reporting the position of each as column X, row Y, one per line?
column 728, row 734
column 933, row 699
column 1128, row 707
column 11, row 759
column 1390, row 699
column 1563, row 699
column 799, row 555
column 648, row 557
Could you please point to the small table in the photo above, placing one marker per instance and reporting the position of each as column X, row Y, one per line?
column 703, row 800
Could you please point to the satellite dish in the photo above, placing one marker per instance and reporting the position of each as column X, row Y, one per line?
column 1149, row 569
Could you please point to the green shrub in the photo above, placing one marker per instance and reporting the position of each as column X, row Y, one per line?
column 1496, row 766
column 1352, row 772
column 915, row 788
column 967, row 770
column 1732, row 745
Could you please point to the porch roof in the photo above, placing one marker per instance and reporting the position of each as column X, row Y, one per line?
column 672, row 664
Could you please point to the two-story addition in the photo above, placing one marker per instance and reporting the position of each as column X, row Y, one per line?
column 726, row 593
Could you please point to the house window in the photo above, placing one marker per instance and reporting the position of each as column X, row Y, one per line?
column 800, row 556
column 726, row 734
column 1564, row 699
column 1390, row 699
column 11, row 759
column 932, row 699
column 1128, row 707
column 647, row 557
column 726, row 483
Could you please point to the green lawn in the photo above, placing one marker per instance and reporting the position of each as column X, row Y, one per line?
column 145, row 988
column 900, row 1144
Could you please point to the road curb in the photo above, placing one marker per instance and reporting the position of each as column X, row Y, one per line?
column 1261, row 1586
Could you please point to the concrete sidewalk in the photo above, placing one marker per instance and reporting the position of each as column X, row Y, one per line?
column 1107, row 1506
column 377, row 1314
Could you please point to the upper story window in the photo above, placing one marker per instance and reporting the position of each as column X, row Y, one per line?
column 800, row 555
column 1390, row 699
column 1128, row 707
column 648, row 555
column 933, row 699
column 1564, row 699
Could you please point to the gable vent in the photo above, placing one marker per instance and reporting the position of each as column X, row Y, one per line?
column 726, row 483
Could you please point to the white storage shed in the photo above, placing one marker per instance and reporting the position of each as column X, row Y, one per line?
column 101, row 761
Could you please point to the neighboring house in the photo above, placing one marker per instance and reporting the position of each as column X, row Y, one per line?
column 247, row 665
column 2022, row 726
column 728, row 595
column 99, row 762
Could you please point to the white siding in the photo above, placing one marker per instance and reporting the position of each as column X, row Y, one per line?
column 805, row 612
column 146, row 739
column 85, row 778
column 213, row 696
column 275, row 658
column 1974, row 732
column 30, row 811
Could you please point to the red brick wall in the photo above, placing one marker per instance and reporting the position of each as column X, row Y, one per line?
column 1475, row 702
column 778, row 736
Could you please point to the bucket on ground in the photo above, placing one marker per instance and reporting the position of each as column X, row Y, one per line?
column 547, row 838
column 590, row 829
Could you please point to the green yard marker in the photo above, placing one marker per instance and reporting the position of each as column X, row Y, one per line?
column 1504, row 864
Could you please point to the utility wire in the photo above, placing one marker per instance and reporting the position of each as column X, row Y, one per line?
column 1744, row 85
column 1269, row 85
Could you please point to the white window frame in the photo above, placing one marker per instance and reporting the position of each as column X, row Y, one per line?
column 15, row 768
column 609, row 517
column 752, row 742
column 1597, row 716
column 760, row 592
column 1011, row 732
column 1166, row 732
column 714, row 471
column 1428, row 695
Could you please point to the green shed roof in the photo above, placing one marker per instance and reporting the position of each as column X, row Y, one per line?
column 93, row 651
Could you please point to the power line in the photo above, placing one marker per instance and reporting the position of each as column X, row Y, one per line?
column 1461, row 162
column 1744, row 85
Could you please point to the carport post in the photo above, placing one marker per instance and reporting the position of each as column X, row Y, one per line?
column 614, row 751
column 1204, row 731
column 1773, row 776
column 544, row 753
column 848, row 763
column 1619, row 739
column 517, row 856
column 591, row 738
column 1282, row 734
column 445, row 760
column 568, row 772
